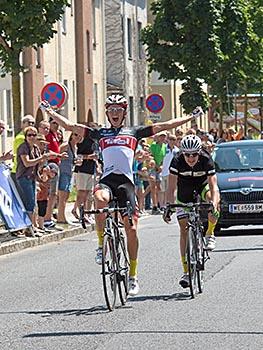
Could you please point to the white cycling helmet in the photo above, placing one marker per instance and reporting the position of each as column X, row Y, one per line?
column 116, row 100
column 191, row 144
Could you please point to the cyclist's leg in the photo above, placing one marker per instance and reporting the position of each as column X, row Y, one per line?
column 102, row 196
column 182, row 217
column 126, row 192
column 212, row 220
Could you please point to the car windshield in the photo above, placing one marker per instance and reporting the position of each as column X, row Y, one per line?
column 246, row 157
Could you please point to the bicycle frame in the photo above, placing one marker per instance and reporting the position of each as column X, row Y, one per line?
column 195, row 252
column 115, row 261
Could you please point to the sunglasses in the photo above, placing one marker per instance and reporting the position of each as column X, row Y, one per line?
column 31, row 135
column 74, row 134
column 30, row 123
column 188, row 155
column 115, row 109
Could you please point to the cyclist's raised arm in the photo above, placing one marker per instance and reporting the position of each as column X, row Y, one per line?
column 62, row 121
column 175, row 123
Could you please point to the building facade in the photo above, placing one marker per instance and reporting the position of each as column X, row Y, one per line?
column 126, row 66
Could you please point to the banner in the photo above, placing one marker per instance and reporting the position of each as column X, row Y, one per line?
column 12, row 210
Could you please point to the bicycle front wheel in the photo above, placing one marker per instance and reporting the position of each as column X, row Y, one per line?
column 200, row 261
column 109, row 271
column 123, row 269
column 192, row 262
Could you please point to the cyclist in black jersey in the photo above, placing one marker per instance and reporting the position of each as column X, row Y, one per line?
column 192, row 170
column 118, row 144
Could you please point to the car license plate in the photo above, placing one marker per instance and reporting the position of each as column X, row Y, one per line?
column 246, row 208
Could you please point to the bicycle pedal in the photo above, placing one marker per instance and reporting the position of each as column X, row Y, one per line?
column 200, row 266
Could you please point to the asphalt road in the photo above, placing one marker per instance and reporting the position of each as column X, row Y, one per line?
column 51, row 297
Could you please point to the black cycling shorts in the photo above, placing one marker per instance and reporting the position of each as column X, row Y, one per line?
column 120, row 187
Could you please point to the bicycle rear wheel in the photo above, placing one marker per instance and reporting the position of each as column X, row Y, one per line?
column 123, row 269
column 192, row 262
column 109, row 271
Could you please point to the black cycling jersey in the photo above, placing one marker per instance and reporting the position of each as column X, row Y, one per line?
column 194, row 178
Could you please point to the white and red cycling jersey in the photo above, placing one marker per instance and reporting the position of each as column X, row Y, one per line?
column 118, row 147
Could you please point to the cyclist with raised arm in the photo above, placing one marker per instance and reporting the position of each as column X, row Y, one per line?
column 192, row 170
column 118, row 144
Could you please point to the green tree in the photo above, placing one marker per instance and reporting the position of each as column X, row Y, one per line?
column 202, row 40
column 24, row 23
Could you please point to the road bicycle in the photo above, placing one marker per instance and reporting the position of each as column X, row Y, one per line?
column 196, row 253
column 115, row 260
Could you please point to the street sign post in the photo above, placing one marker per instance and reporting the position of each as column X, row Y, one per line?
column 154, row 103
column 54, row 93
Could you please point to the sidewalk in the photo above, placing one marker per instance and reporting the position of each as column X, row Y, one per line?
column 10, row 244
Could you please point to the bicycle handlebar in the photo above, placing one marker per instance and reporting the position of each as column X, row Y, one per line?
column 106, row 210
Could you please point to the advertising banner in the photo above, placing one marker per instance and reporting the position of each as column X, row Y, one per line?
column 12, row 210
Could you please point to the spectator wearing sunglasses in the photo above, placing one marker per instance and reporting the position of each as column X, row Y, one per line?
column 28, row 159
column 26, row 121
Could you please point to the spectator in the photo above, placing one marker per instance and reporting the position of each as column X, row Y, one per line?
column 231, row 134
column 28, row 159
column 241, row 134
column 171, row 150
column 6, row 155
column 27, row 120
column 44, row 128
column 84, row 177
column 65, row 174
column 44, row 176
column 214, row 133
column 224, row 136
column 54, row 145
column 190, row 131
column 158, row 150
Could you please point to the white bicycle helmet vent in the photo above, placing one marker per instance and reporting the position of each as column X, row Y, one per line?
column 116, row 100
column 191, row 144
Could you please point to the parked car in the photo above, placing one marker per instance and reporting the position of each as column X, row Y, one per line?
column 239, row 166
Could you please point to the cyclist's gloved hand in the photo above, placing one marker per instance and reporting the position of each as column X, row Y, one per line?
column 44, row 105
column 198, row 112
column 167, row 215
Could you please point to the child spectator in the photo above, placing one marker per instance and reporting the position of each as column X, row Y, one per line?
column 44, row 176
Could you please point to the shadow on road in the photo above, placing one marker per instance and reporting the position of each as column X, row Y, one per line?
column 237, row 249
column 165, row 297
column 91, row 333
column 240, row 232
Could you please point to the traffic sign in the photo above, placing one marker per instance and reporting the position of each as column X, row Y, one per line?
column 155, row 103
column 155, row 117
column 56, row 94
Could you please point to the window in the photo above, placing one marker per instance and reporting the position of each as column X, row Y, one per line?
column 95, row 99
column 94, row 23
column 72, row 8
column 74, row 95
column 140, row 47
column 88, row 51
column 131, row 110
column 142, row 107
column 129, row 37
column 9, row 118
column 64, row 22
column 38, row 58
column 65, row 107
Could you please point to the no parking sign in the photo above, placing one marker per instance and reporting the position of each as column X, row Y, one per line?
column 54, row 93
column 155, row 103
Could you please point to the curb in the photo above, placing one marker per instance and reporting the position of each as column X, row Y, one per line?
column 30, row 242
